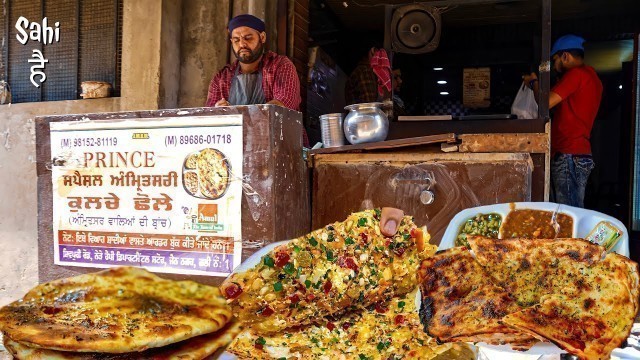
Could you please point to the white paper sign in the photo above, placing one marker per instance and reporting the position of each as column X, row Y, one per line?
column 164, row 194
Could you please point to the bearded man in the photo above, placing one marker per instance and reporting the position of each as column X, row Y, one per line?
column 258, row 76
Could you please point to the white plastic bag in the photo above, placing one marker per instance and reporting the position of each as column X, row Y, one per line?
column 525, row 105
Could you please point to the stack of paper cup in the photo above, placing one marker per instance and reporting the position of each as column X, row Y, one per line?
column 331, row 127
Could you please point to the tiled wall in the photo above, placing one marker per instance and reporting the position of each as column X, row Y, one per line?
column 454, row 107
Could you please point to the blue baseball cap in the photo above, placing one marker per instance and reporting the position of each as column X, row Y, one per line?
column 567, row 42
column 246, row 20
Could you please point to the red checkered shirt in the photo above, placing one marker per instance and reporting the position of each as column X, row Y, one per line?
column 279, row 81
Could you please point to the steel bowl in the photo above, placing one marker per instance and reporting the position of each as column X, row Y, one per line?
column 365, row 123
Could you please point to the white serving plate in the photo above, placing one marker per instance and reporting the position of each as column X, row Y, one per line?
column 254, row 259
column 583, row 221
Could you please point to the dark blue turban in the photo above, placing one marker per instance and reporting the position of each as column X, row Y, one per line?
column 246, row 20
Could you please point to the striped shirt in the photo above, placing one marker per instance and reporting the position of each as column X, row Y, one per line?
column 279, row 81
column 362, row 85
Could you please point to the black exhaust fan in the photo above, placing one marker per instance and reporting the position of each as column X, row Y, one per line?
column 412, row 29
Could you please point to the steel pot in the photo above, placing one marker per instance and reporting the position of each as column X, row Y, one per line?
column 365, row 123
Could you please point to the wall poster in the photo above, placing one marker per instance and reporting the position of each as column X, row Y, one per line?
column 162, row 193
column 476, row 87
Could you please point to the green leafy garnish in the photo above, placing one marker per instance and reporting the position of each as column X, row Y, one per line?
column 261, row 341
column 277, row 286
column 349, row 241
column 268, row 261
column 362, row 221
column 330, row 255
column 383, row 345
column 289, row 269
column 313, row 241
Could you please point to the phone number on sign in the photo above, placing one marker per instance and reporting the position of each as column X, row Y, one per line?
column 172, row 140
column 88, row 142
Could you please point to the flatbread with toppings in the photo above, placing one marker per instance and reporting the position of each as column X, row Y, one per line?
column 391, row 331
column 461, row 303
column 196, row 348
column 191, row 162
column 563, row 291
column 530, row 269
column 593, row 315
column 213, row 173
column 117, row 310
column 190, row 180
column 343, row 266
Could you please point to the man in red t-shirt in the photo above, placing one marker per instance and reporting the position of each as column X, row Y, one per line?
column 577, row 97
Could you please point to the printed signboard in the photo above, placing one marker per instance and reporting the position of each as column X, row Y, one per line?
column 164, row 194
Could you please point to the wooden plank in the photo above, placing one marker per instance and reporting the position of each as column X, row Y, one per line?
column 635, row 109
column 300, row 42
column 391, row 144
column 547, row 165
column 301, row 7
column 298, row 62
column 300, row 54
column 301, row 51
column 545, row 64
column 297, row 49
column 538, row 177
column 301, row 21
column 301, row 24
column 291, row 24
column 531, row 143
column 414, row 157
column 448, row 147
column 282, row 26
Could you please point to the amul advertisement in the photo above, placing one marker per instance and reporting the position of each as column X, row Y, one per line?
column 163, row 194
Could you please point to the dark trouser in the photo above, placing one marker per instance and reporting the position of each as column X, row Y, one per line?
column 569, row 174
